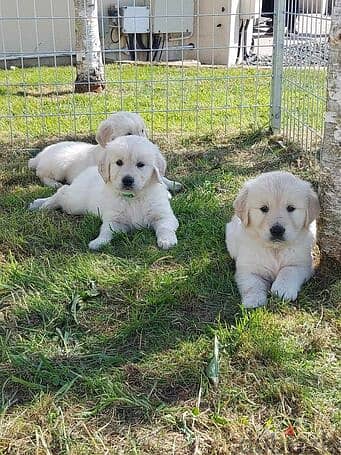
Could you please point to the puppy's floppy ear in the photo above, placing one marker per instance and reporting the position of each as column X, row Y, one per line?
column 104, row 167
column 240, row 206
column 159, row 164
column 157, row 174
column 313, row 207
column 104, row 133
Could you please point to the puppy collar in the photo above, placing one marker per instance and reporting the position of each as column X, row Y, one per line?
column 127, row 195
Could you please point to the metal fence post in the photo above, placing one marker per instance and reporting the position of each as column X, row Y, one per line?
column 277, row 65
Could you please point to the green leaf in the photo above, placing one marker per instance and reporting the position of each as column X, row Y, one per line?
column 75, row 304
column 195, row 411
column 219, row 420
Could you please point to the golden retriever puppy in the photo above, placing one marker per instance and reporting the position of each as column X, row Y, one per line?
column 62, row 162
column 125, row 190
column 271, row 236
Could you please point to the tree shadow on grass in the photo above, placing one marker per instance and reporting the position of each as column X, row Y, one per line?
column 47, row 93
column 234, row 157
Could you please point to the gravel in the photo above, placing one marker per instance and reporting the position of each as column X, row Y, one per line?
column 310, row 52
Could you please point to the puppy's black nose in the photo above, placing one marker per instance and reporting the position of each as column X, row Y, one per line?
column 128, row 181
column 277, row 231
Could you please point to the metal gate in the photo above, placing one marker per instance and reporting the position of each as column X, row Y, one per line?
column 300, row 70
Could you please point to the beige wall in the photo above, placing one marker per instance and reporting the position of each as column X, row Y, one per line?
column 217, row 31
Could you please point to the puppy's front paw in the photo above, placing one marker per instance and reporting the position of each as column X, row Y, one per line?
column 36, row 204
column 254, row 300
column 57, row 185
column 167, row 242
column 97, row 244
column 284, row 291
column 176, row 187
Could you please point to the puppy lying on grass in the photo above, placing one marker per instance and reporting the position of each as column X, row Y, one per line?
column 62, row 162
column 271, row 236
column 125, row 190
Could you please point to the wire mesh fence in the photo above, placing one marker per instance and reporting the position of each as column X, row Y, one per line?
column 190, row 67
column 305, row 62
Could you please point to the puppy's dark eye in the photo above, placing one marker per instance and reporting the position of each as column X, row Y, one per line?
column 129, row 133
column 264, row 209
column 140, row 164
column 290, row 208
column 119, row 162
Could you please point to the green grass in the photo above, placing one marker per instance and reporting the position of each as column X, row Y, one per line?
column 37, row 104
column 41, row 103
column 107, row 353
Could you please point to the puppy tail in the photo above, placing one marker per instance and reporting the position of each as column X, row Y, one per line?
column 33, row 163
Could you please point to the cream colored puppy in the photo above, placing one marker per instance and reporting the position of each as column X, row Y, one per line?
column 271, row 236
column 125, row 190
column 62, row 162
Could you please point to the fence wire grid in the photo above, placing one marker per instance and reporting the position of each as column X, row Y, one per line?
column 189, row 67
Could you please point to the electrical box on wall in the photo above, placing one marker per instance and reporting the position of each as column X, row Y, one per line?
column 135, row 19
column 172, row 16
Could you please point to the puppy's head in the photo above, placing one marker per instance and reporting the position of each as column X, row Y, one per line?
column 120, row 124
column 277, row 206
column 130, row 163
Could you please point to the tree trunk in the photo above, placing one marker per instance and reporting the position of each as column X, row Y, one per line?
column 89, row 64
column 330, row 192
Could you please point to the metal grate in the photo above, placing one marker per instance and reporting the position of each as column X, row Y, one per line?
column 188, row 74
column 305, row 61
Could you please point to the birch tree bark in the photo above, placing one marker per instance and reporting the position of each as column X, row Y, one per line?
column 89, row 64
column 330, row 187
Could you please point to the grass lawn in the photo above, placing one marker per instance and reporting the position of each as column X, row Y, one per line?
column 39, row 103
column 107, row 353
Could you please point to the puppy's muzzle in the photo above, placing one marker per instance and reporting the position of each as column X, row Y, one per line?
column 128, row 182
column 277, row 232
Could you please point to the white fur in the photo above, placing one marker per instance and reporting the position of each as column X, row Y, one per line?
column 262, row 263
column 62, row 162
column 101, row 191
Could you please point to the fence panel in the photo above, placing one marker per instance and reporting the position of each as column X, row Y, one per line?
column 191, row 67
column 305, row 61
